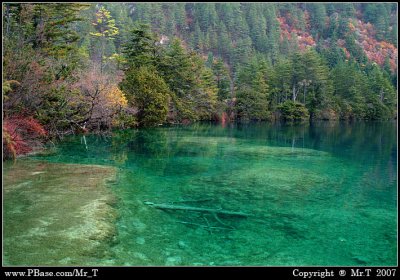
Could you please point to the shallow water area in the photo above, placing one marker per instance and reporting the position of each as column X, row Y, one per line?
column 57, row 214
column 312, row 195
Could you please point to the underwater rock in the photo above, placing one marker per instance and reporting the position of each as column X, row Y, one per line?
column 141, row 256
column 361, row 259
column 140, row 240
column 173, row 261
column 138, row 225
column 232, row 263
column 63, row 218
column 182, row 244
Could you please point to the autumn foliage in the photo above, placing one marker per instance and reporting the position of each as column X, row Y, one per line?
column 365, row 33
column 21, row 135
column 375, row 50
column 304, row 37
column 101, row 99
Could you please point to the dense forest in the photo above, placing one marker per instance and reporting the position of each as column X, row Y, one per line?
column 74, row 68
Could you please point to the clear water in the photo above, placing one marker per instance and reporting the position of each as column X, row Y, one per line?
column 323, row 194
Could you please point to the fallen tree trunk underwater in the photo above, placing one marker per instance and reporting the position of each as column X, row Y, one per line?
column 208, row 227
column 197, row 209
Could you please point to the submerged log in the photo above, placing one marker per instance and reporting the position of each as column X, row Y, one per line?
column 197, row 209
column 208, row 227
column 192, row 200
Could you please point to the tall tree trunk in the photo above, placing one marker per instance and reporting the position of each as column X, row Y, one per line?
column 101, row 55
column 7, row 16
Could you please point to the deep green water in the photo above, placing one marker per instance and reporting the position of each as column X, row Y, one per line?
column 318, row 195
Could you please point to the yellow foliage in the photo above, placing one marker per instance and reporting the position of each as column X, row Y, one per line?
column 351, row 26
column 115, row 97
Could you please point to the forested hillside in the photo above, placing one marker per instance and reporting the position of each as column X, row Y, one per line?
column 72, row 68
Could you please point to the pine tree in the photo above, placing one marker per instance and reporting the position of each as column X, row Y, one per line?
column 370, row 12
column 180, row 16
column 147, row 92
column 383, row 93
column 347, row 9
column 119, row 12
column 351, row 86
column 394, row 33
column 257, row 26
column 212, row 39
column 206, row 94
column 106, row 30
column 273, row 33
column 170, row 25
column 382, row 27
column 198, row 37
column 50, row 25
column 242, row 52
column 141, row 48
column 158, row 22
column 301, row 21
column 293, row 43
column 252, row 92
column 142, row 13
column 224, row 42
column 317, row 18
column 285, row 46
column 222, row 78
column 226, row 14
column 241, row 29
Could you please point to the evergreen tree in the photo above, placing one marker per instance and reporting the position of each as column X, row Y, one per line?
column 382, row 27
column 224, row 42
column 198, row 39
column 180, row 16
column 351, row 86
column 273, row 34
column 50, row 27
column 257, row 26
column 44, row 45
column 225, row 12
column 206, row 93
column 141, row 48
column 210, row 60
column 106, row 30
column 317, row 18
column 148, row 92
column 285, row 46
column 170, row 25
column 223, row 80
column 394, row 32
column 293, row 42
column 252, row 92
column 383, row 95
column 242, row 52
column 119, row 12
column 142, row 13
column 241, row 29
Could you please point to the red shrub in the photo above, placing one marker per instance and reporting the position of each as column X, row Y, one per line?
column 21, row 135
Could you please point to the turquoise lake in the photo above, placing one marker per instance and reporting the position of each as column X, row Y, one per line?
column 319, row 194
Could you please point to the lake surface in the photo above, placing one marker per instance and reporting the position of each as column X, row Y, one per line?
column 321, row 194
